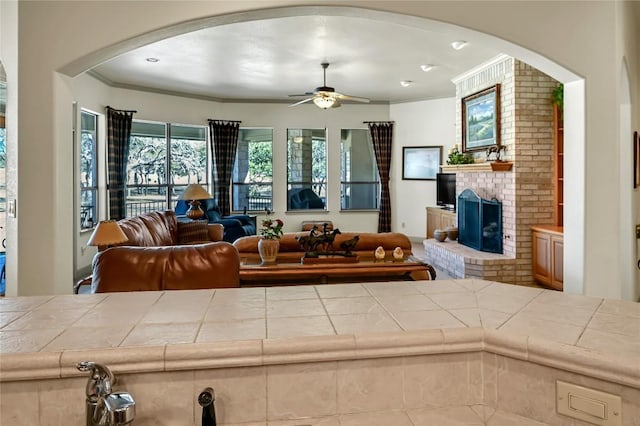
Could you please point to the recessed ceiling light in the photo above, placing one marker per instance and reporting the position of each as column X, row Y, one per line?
column 458, row 44
column 406, row 83
column 153, row 60
column 426, row 67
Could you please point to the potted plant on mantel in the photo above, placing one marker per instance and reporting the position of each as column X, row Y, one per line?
column 457, row 157
column 269, row 244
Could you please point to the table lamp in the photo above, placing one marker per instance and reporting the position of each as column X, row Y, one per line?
column 107, row 233
column 193, row 193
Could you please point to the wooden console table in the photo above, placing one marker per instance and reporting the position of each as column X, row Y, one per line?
column 255, row 274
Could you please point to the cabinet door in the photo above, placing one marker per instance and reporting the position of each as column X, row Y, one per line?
column 541, row 257
column 557, row 258
column 448, row 219
column 433, row 221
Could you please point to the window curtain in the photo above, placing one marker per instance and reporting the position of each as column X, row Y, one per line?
column 382, row 138
column 224, row 143
column 118, row 138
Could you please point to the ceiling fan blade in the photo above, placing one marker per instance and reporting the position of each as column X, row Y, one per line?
column 301, row 102
column 301, row 94
column 351, row 98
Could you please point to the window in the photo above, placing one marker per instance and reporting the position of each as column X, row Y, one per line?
column 163, row 159
column 360, row 182
column 252, row 178
column 306, row 169
column 88, row 169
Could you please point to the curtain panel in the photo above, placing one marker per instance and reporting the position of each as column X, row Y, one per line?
column 118, row 138
column 224, row 143
column 382, row 138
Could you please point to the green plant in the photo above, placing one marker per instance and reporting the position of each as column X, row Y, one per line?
column 557, row 96
column 457, row 157
column 271, row 228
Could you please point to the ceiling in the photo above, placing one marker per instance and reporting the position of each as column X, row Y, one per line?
column 266, row 60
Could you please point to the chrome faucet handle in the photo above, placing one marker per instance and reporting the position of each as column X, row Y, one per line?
column 100, row 381
column 115, row 409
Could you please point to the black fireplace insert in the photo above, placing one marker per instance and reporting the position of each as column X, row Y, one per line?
column 479, row 222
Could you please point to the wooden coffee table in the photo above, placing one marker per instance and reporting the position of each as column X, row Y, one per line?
column 252, row 273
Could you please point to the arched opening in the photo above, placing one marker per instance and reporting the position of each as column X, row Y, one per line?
column 574, row 101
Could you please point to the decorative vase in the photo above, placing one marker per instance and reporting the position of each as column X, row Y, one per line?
column 439, row 235
column 379, row 254
column 452, row 232
column 268, row 250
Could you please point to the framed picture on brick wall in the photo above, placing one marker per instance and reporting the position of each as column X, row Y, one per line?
column 481, row 119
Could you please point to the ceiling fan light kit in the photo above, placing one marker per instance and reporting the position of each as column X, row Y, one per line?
column 324, row 102
column 326, row 97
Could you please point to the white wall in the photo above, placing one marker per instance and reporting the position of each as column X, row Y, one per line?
column 43, row 181
column 425, row 123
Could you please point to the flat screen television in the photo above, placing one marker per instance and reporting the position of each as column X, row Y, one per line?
column 446, row 190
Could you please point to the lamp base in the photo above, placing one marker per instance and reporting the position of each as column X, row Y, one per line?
column 194, row 212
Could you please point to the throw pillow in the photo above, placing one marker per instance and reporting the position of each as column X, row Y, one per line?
column 193, row 232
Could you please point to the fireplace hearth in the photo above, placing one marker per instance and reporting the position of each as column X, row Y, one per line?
column 479, row 222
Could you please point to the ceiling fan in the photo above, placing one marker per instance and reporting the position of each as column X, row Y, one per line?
column 326, row 97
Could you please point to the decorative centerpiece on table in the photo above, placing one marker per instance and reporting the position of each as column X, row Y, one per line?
column 318, row 247
column 269, row 244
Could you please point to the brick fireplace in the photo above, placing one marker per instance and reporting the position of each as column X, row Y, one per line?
column 526, row 191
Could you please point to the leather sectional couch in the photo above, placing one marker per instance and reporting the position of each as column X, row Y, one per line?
column 164, row 254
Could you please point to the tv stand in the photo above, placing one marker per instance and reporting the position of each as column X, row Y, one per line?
column 439, row 218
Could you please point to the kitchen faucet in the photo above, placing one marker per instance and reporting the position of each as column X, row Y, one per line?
column 104, row 407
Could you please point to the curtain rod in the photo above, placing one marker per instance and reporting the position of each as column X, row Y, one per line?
column 228, row 121
column 379, row 122
column 122, row 110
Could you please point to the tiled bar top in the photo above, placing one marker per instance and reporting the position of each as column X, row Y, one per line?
column 43, row 336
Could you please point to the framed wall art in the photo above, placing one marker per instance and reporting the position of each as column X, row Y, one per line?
column 481, row 119
column 421, row 162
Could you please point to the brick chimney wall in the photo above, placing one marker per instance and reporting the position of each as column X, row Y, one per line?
column 526, row 130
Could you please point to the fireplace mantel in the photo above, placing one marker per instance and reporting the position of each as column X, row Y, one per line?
column 488, row 166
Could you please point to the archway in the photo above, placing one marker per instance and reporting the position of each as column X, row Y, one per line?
column 574, row 99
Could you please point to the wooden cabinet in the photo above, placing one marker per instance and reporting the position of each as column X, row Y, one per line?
column 438, row 218
column 558, row 171
column 547, row 243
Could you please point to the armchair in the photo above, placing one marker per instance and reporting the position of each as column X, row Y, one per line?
column 235, row 226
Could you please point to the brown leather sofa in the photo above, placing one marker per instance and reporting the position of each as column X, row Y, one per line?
column 161, row 228
column 189, row 267
column 290, row 249
column 160, row 255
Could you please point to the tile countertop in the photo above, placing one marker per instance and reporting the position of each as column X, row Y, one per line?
column 43, row 336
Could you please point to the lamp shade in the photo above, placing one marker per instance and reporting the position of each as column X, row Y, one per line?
column 195, row 192
column 108, row 232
